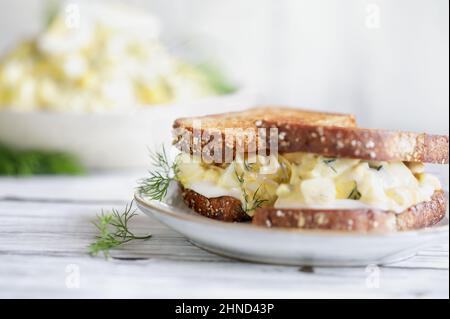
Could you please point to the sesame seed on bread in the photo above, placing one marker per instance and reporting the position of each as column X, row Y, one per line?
column 224, row 208
column 328, row 134
column 366, row 144
column 359, row 220
column 228, row 209
column 250, row 118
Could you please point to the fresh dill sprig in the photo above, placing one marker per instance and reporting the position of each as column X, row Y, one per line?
column 329, row 162
column 255, row 202
column 284, row 171
column 240, row 178
column 378, row 168
column 113, row 231
column 248, row 166
column 355, row 193
column 156, row 186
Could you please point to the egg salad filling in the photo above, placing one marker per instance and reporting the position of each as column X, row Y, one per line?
column 254, row 181
column 304, row 180
column 94, row 57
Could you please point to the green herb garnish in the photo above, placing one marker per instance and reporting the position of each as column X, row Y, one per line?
column 51, row 10
column 255, row 202
column 248, row 166
column 329, row 162
column 114, row 231
column 378, row 168
column 285, row 171
column 354, row 194
column 155, row 187
column 33, row 162
column 240, row 178
column 216, row 79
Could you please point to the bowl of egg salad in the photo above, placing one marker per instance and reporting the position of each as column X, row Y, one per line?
column 97, row 82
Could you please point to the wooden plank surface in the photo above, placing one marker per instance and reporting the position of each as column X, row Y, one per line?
column 45, row 229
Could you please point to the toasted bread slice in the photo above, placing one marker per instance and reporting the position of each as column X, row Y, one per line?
column 360, row 220
column 281, row 115
column 218, row 124
column 229, row 209
column 225, row 208
column 328, row 134
column 366, row 144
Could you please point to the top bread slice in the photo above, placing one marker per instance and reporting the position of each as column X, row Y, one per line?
column 327, row 134
column 280, row 115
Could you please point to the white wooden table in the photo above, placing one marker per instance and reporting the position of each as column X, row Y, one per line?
column 45, row 229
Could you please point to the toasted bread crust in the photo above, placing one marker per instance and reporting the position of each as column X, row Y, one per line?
column 424, row 214
column 249, row 118
column 333, row 135
column 225, row 208
column 366, row 144
column 229, row 209
column 359, row 220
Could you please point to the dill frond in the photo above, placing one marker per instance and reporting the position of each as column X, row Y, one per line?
column 163, row 172
column 329, row 162
column 113, row 231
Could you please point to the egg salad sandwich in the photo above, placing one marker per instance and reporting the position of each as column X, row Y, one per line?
column 282, row 167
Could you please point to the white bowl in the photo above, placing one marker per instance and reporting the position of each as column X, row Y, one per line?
column 109, row 140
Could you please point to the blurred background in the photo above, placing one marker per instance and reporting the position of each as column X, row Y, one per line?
column 385, row 61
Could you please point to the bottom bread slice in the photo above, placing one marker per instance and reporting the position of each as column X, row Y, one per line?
column 362, row 220
column 229, row 209
column 225, row 208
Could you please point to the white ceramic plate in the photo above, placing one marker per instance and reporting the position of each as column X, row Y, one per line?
column 288, row 246
column 110, row 139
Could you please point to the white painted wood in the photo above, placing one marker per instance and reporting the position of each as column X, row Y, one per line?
column 96, row 187
column 39, row 276
column 45, row 229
